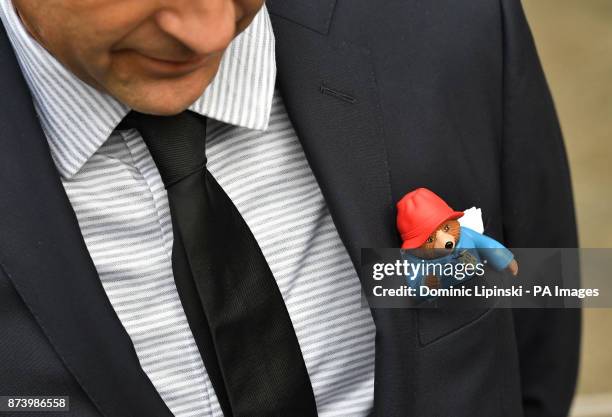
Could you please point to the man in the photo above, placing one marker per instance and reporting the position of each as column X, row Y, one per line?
column 112, row 228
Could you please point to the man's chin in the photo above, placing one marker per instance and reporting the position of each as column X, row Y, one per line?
column 161, row 109
column 162, row 104
column 162, row 97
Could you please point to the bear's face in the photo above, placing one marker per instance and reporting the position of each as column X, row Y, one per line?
column 445, row 237
column 442, row 241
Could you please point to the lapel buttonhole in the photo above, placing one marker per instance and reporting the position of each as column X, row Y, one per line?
column 338, row 94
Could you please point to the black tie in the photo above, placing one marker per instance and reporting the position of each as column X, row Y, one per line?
column 257, row 356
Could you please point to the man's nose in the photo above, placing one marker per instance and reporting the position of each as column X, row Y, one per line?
column 204, row 26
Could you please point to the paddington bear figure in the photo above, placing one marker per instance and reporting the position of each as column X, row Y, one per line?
column 431, row 232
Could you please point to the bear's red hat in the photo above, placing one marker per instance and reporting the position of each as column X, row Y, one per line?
column 419, row 213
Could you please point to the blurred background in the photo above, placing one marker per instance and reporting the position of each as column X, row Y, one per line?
column 574, row 39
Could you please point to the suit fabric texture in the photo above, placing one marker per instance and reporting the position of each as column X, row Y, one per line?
column 385, row 97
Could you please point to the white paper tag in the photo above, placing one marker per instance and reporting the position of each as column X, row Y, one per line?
column 472, row 218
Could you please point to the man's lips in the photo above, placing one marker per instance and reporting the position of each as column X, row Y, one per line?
column 168, row 67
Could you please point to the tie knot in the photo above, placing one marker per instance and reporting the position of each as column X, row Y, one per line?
column 177, row 143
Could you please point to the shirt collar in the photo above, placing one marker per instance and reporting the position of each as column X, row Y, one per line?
column 77, row 119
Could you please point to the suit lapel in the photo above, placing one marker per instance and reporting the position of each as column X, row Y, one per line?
column 43, row 253
column 332, row 100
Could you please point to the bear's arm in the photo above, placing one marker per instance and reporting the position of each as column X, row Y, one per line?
column 494, row 253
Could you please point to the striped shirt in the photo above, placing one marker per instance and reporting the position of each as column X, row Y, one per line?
column 254, row 153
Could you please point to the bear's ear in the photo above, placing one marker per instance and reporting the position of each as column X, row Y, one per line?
column 472, row 218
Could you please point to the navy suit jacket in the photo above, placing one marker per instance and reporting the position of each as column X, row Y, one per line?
column 385, row 96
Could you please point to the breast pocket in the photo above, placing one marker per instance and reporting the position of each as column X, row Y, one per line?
column 448, row 316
